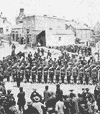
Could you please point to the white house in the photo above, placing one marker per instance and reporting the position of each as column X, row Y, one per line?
column 5, row 27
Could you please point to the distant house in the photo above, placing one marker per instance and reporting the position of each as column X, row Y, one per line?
column 5, row 28
column 82, row 31
column 17, row 32
column 48, row 31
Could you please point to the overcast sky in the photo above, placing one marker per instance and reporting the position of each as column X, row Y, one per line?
column 85, row 11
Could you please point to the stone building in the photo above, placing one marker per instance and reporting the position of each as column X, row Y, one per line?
column 48, row 31
column 5, row 28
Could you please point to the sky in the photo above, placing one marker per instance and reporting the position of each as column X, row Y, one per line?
column 84, row 11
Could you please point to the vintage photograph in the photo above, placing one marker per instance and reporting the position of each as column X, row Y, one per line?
column 50, row 57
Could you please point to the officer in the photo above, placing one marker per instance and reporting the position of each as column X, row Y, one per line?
column 27, row 72
column 87, row 75
column 62, row 73
column 89, row 96
column 81, row 75
column 45, row 69
column 34, row 72
column 94, row 75
column 75, row 73
column 18, row 78
column 51, row 73
column 57, row 73
column 69, row 73
column 39, row 72
column 35, row 93
column 14, row 75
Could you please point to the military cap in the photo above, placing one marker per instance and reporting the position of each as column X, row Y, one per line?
column 34, row 89
column 83, row 88
column 71, row 90
column 87, row 89
column 9, row 91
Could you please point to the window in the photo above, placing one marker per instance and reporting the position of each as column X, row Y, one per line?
column 59, row 38
column 6, row 30
column 28, row 31
column 1, row 30
column 50, row 28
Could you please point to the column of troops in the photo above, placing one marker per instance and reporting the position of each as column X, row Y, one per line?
column 88, row 74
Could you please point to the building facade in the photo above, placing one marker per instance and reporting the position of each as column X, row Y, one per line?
column 82, row 31
column 5, row 28
column 53, row 31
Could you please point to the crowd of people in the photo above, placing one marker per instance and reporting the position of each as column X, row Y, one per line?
column 38, row 68
column 68, row 69
column 50, row 103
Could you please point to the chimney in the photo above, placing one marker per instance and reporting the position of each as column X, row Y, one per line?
column 21, row 10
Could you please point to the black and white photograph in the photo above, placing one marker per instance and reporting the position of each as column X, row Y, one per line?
column 50, row 57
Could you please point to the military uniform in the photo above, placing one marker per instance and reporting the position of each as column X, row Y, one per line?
column 39, row 72
column 94, row 75
column 81, row 75
column 75, row 74
column 62, row 73
column 27, row 74
column 14, row 75
column 69, row 73
column 18, row 78
column 51, row 73
column 34, row 73
column 87, row 75
column 57, row 73
column 45, row 73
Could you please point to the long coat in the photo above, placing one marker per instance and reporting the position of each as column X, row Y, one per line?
column 21, row 98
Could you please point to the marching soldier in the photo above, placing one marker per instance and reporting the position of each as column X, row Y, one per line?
column 27, row 72
column 69, row 73
column 14, row 75
column 81, row 75
column 34, row 72
column 57, row 73
column 62, row 73
column 18, row 78
column 75, row 73
column 40, row 68
column 94, row 75
column 87, row 75
column 51, row 73
column 45, row 73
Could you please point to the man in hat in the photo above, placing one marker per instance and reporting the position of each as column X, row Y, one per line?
column 35, row 93
column 89, row 96
column 30, row 109
column 59, row 92
column 46, row 94
column 38, row 105
column 71, row 93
